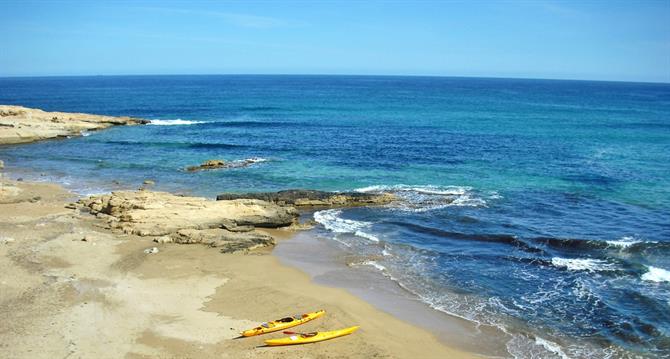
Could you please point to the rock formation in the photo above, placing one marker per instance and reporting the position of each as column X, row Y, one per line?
column 306, row 198
column 228, row 225
column 216, row 164
column 23, row 125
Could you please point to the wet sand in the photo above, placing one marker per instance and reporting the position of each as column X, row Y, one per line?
column 71, row 289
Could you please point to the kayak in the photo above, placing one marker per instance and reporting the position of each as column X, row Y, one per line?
column 281, row 324
column 304, row 338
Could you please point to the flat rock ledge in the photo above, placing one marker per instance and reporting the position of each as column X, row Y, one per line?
column 23, row 125
column 313, row 198
column 227, row 225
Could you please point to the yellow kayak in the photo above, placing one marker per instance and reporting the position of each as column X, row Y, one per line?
column 281, row 324
column 304, row 338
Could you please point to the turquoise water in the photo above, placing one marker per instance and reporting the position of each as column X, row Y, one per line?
column 558, row 229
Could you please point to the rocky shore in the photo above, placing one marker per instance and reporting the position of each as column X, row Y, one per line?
column 228, row 225
column 24, row 125
column 313, row 198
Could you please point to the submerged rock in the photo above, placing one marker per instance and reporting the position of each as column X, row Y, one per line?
column 304, row 198
column 216, row 164
column 207, row 165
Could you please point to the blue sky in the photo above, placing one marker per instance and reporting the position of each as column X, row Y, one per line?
column 602, row 40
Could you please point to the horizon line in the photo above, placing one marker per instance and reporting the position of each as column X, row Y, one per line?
column 338, row 75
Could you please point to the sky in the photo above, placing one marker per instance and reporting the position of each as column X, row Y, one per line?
column 595, row 40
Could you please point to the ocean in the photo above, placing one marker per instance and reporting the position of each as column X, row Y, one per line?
column 537, row 207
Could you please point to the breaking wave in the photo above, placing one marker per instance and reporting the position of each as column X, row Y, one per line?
column 176, row 122
column 583, row 264
column 657, row 275
column 426, row 198
column 332, row 221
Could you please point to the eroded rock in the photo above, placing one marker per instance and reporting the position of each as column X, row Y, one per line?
column 226, row 241
column 216, row 164
column 24, row 125
column 306, row 198
column 226, row 224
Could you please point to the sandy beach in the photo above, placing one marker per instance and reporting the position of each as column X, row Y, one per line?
column 127, row 275
column 72, row 289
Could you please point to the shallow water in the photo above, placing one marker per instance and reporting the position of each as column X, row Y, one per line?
column 540, row 207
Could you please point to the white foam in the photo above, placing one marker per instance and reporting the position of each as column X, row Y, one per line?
column 586, row 264
column 657, row 275
column 551, row 346
column 438, row 190
column 332, row 221
column 624, row 242
column 374, row 264
column 176, row 122
column 255, row 160
column 366, row 236
column 426, row 198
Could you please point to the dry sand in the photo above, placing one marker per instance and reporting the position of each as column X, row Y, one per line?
column 71, row 289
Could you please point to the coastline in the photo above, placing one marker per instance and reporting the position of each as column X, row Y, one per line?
column 67, row 295
column 328, row 265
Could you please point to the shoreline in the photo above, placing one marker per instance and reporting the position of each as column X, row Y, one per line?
column 329, row 266
column 183, row 300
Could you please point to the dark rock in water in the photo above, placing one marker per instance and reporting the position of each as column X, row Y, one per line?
column 304, row 198
column 216, row 164
column 207, row 165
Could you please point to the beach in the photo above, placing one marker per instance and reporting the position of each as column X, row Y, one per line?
column 73, row 288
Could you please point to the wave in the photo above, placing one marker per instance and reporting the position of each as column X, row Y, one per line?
column 583, row 264
column 176, row 144
column 624, row 242
column 332, row 221
column 426, row 198
column 479, row 237
column 176, row 122
column 255, row 123
column 657, row 275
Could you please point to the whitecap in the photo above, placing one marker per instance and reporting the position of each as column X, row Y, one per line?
column 657, row 275
column 624, row 242
column 582, row 264
column 176, row 122
column 255, row 160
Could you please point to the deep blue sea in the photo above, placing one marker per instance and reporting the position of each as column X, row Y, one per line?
column 540, row 207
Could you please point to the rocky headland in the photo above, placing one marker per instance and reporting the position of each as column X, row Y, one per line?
column 24, row 125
